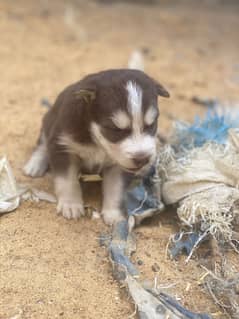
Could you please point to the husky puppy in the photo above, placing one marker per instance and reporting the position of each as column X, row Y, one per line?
column 106, row 123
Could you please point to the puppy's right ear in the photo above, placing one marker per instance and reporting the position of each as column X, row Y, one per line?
column 161, row 90
column 87, row 95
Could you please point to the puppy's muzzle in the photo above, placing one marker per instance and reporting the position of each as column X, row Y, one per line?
column 140, row 160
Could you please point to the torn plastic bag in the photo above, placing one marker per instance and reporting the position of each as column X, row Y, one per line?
column 11, row 193
column 9, row 199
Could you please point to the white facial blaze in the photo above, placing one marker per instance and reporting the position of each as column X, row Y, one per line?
column 121, row 119
column 138, row 142
column 135, row 98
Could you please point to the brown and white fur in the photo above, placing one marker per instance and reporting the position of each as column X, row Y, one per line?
column 106, row 123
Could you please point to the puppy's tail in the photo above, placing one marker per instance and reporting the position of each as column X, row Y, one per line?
column 136, row 60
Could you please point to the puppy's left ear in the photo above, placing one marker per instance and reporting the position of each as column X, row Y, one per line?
column 161, row 90
column 87, row 95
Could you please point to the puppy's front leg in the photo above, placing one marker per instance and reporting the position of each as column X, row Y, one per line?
column 113, row 190
column 68, row 191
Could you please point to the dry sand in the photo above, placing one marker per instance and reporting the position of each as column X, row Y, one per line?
column 54, row 268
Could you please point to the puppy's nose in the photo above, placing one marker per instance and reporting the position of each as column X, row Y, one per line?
column 141, row 159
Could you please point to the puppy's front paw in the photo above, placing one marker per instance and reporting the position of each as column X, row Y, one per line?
column 70, row 208
column 112, row 216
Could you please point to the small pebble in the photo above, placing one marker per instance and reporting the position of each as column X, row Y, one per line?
column 140, row 262
column 155, row 267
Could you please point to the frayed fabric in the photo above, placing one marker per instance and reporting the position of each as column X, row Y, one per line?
column 204, row 182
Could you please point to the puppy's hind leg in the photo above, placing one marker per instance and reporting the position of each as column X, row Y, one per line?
column 38, row 163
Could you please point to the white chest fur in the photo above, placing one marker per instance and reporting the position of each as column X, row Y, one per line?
column 93, row 158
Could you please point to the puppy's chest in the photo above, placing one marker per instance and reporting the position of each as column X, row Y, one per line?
column 93, row 158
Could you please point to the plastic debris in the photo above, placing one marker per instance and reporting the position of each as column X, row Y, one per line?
column 143, row 198
column 150, row 304
column 158, row 305
column 199, row 172
column 183, row 243
column 11, row 193
column 213, row 128
column 9, row 199
column 120, row 246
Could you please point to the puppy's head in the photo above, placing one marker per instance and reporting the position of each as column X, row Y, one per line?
column 125, row 117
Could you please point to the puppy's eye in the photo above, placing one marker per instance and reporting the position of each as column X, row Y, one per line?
column 115, row 134
column 121, row 131
column 112, row 127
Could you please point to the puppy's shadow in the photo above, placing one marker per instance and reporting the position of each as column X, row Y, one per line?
column 92, row 193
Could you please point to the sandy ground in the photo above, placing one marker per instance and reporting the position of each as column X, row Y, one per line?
column 54, row 268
